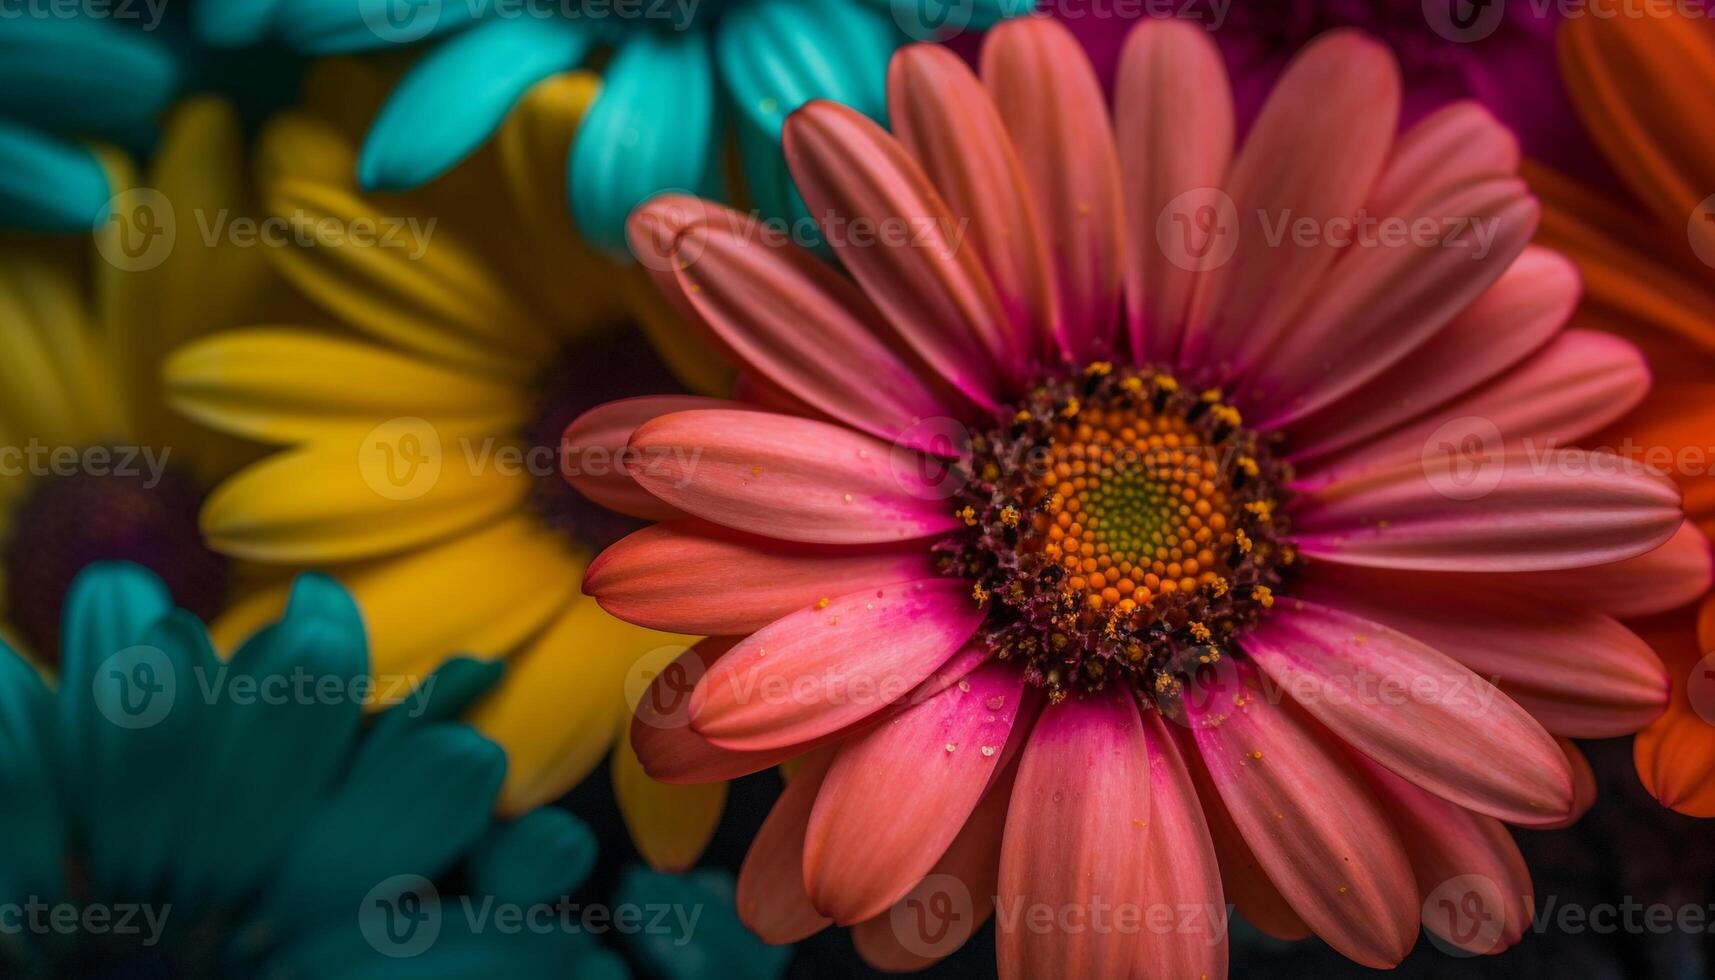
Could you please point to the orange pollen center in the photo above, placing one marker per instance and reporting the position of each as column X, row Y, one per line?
column 1134, row 506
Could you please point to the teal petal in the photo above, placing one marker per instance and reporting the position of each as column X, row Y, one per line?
column 49, row 184
column 652, row 129
column 344, row 26
column 82, row 75
column 940, row 20
column 466, row 946
column 444, row 696
column 32, row 847
column 145, row 753
column 233, row 23
column 540, row 857
column 776, row 55
column 701, row 936
column 452, row 101
column 109, row 607
column 411, row 805
column 282, row 719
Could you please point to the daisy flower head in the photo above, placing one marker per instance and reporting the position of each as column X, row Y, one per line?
column 94, row 466
column 413, row 414
column 676, row 73
column 1645, row 245
column 195, row 817
column 1119, row 500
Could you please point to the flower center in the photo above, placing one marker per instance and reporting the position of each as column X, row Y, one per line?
column 607, row 366
column 1119, row 526
column 132, row 513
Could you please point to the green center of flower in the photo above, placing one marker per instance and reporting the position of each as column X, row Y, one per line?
column 1119, row 526
column 118, row 507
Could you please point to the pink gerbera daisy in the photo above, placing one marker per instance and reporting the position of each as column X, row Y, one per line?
column 1093, row 546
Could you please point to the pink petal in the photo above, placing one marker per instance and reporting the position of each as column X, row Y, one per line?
column 1583, row 784
column 1175, row 124
column 1381, row 301
column 690, row 576
column 792, row 319
column 593, row 451
column 1471, row 878
column 1583, row 380
column 1315, row 151
column 788, row 478
column 771, row 897
column 1074, row 841
column 1312, row 825
column 898, row 794
column 944, row 910
column 1055, row 109
column 1517, row 315
column 1676, row 574
column 1562, row 508
column 825, row 667
column 1413, row 709
column 1243, row 880
column 1181, row 875
column 1520, row 643
column 1457, row 143
column 940, row 112
column 672, row 752
column 933, row 289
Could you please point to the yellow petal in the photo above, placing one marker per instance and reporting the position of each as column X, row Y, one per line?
column 286, row 385
column 405, row 484
column 671, row 825
column 55, row 384
column 483, row 594
column 298, row 145
column 403, row 278
column 198, row 187
column 562, row 700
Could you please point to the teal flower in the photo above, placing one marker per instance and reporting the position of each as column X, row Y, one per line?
column 680, row 72
column 65, row 80
column 171, row 814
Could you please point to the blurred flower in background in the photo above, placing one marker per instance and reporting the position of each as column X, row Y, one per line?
column 95, row 466
column 676, row 74
column 418, row 413
column 239, row 819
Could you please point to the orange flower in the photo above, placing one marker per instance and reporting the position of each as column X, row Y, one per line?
column 1638, row 83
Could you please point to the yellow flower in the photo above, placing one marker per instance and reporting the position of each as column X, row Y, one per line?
column 93, row 465
column 418, row 413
